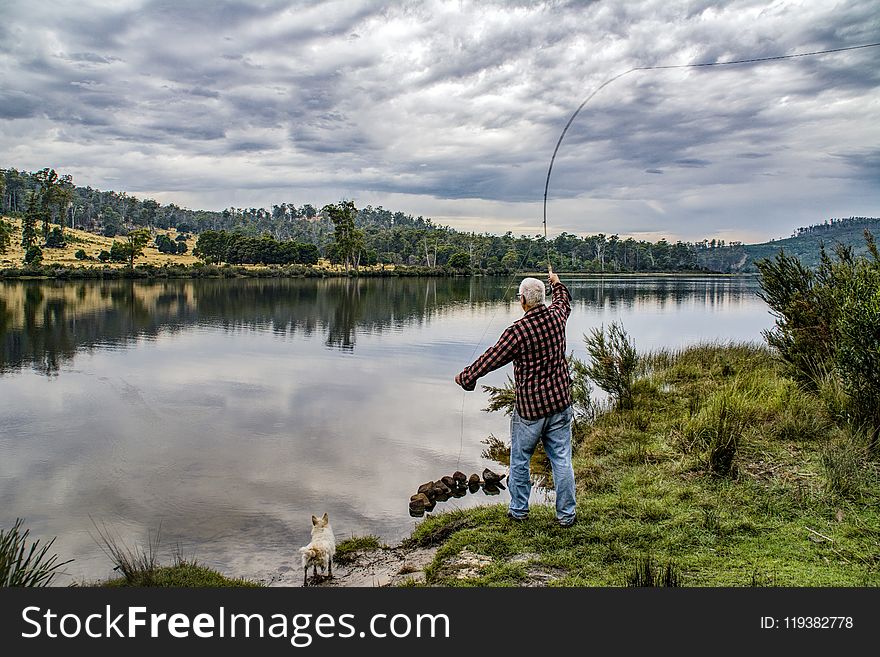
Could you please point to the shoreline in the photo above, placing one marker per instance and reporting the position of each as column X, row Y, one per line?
column 189, row 272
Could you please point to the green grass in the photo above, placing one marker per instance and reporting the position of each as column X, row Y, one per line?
column 800, row 505
column 347, row 549
column 184, row 574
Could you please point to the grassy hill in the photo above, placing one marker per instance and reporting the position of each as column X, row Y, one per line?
column 92, row 244
column 806, row 246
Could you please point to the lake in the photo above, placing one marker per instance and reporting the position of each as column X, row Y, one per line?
column 227, row 412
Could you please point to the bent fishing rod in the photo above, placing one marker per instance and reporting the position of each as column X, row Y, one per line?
column 752, row 60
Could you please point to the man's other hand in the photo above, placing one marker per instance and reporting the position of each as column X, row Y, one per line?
column 458, row 379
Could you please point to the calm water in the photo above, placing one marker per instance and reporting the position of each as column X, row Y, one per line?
column 229, row 411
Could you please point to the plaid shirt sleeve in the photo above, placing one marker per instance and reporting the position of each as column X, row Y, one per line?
column 498, row 355
column 561, row 300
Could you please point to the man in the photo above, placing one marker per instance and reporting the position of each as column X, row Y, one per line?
column 536, row 345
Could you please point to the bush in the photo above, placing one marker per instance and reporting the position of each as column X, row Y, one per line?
column 55, row 239
column 33, row 256
column 23, row 565
column 828, row 324
column 104, row 255
column 165, row 244
column 119, row 252
column 81, row 255
column 613, row 362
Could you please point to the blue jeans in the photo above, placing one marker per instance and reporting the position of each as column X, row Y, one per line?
column 555, row 431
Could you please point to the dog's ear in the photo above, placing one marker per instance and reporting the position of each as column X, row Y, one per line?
column 314, row 520
column 325, row 518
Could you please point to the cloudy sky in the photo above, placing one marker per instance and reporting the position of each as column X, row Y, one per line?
column 452, row 109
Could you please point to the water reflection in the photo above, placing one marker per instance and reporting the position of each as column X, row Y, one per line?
column 43, row 325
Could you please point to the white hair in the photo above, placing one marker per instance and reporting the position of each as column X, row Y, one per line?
column 532, row 291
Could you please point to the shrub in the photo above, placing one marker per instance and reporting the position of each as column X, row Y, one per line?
column 33, row 256
column 104, row 255
column 55, row 239
column 80, row 255
column 23, row 565
column 828, row 324
column 613, row 362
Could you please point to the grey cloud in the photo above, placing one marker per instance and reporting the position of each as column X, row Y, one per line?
column 196, row 132
column 865, row 163
column 692, row 162
column 204, row 93
column 91, row 57
column 252, row 146
column 17, row 105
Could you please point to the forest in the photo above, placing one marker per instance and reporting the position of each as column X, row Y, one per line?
column 344, row 234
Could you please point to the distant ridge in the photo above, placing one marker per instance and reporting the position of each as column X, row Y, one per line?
column 805, row 244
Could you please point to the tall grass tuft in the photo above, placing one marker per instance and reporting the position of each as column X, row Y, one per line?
column 648, row 573
column 23, row 565
column 845, row 459
column 139, row 565
column 717, row 428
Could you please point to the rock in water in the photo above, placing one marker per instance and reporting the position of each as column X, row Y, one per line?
column 449, row 482
column 441, row 489
column 459, row 477
column 491, row 478
column 418, row 502
column 424, row 488
column 474, row 480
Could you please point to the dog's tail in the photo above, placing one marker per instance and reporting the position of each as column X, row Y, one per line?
column 310, row 553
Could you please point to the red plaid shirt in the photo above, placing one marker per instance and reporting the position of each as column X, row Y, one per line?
column 536, row 345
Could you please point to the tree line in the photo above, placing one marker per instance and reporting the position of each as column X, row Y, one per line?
column 345, row 234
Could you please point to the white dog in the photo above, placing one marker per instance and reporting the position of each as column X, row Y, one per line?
column 321, row 550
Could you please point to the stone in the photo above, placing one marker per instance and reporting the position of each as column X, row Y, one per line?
column 449, row 482
column 474, row 480
column 424, row 488
column 459, row 477
column 418, row 502
column 491, row 477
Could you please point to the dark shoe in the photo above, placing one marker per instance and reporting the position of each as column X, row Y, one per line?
column 567, row 524
column 516, row 518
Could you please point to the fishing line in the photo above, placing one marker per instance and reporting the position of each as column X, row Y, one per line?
column 751, row 60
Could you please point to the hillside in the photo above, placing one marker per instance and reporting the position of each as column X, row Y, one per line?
column 806, row 246
column 92, row 244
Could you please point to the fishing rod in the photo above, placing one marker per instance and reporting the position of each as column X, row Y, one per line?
column 752, row 60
